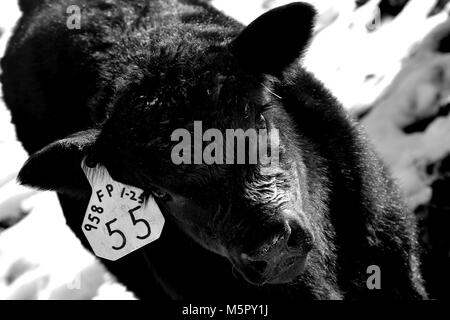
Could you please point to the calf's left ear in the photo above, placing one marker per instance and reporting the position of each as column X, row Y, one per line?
column 276, row 39
column 58, row 166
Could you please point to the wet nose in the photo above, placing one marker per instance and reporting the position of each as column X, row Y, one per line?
column 299, row 240
column 283, row 249
column 286, row 239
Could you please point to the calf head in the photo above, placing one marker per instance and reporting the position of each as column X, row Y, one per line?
column 261, row 217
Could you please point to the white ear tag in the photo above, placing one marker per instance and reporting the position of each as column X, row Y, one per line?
column 118, row 220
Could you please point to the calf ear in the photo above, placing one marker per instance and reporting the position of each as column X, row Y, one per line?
column 276, row 39
column 58, row 166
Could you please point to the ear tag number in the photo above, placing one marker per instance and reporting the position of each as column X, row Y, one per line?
column 118, row 220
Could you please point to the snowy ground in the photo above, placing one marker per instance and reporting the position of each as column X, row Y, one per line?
column 41, row 259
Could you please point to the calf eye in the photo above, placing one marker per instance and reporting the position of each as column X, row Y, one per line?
column 160, row 194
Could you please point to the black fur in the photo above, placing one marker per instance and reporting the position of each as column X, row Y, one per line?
column 26, row 6
column 137, row 70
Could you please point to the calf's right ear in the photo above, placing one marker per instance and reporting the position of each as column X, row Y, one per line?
column 57, row 167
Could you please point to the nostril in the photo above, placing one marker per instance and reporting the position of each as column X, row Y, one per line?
column 299, row 239
column 258, row 266
column 294, row 241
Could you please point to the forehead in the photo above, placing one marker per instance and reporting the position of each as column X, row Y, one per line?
column 195, row 82
column 175, row 88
